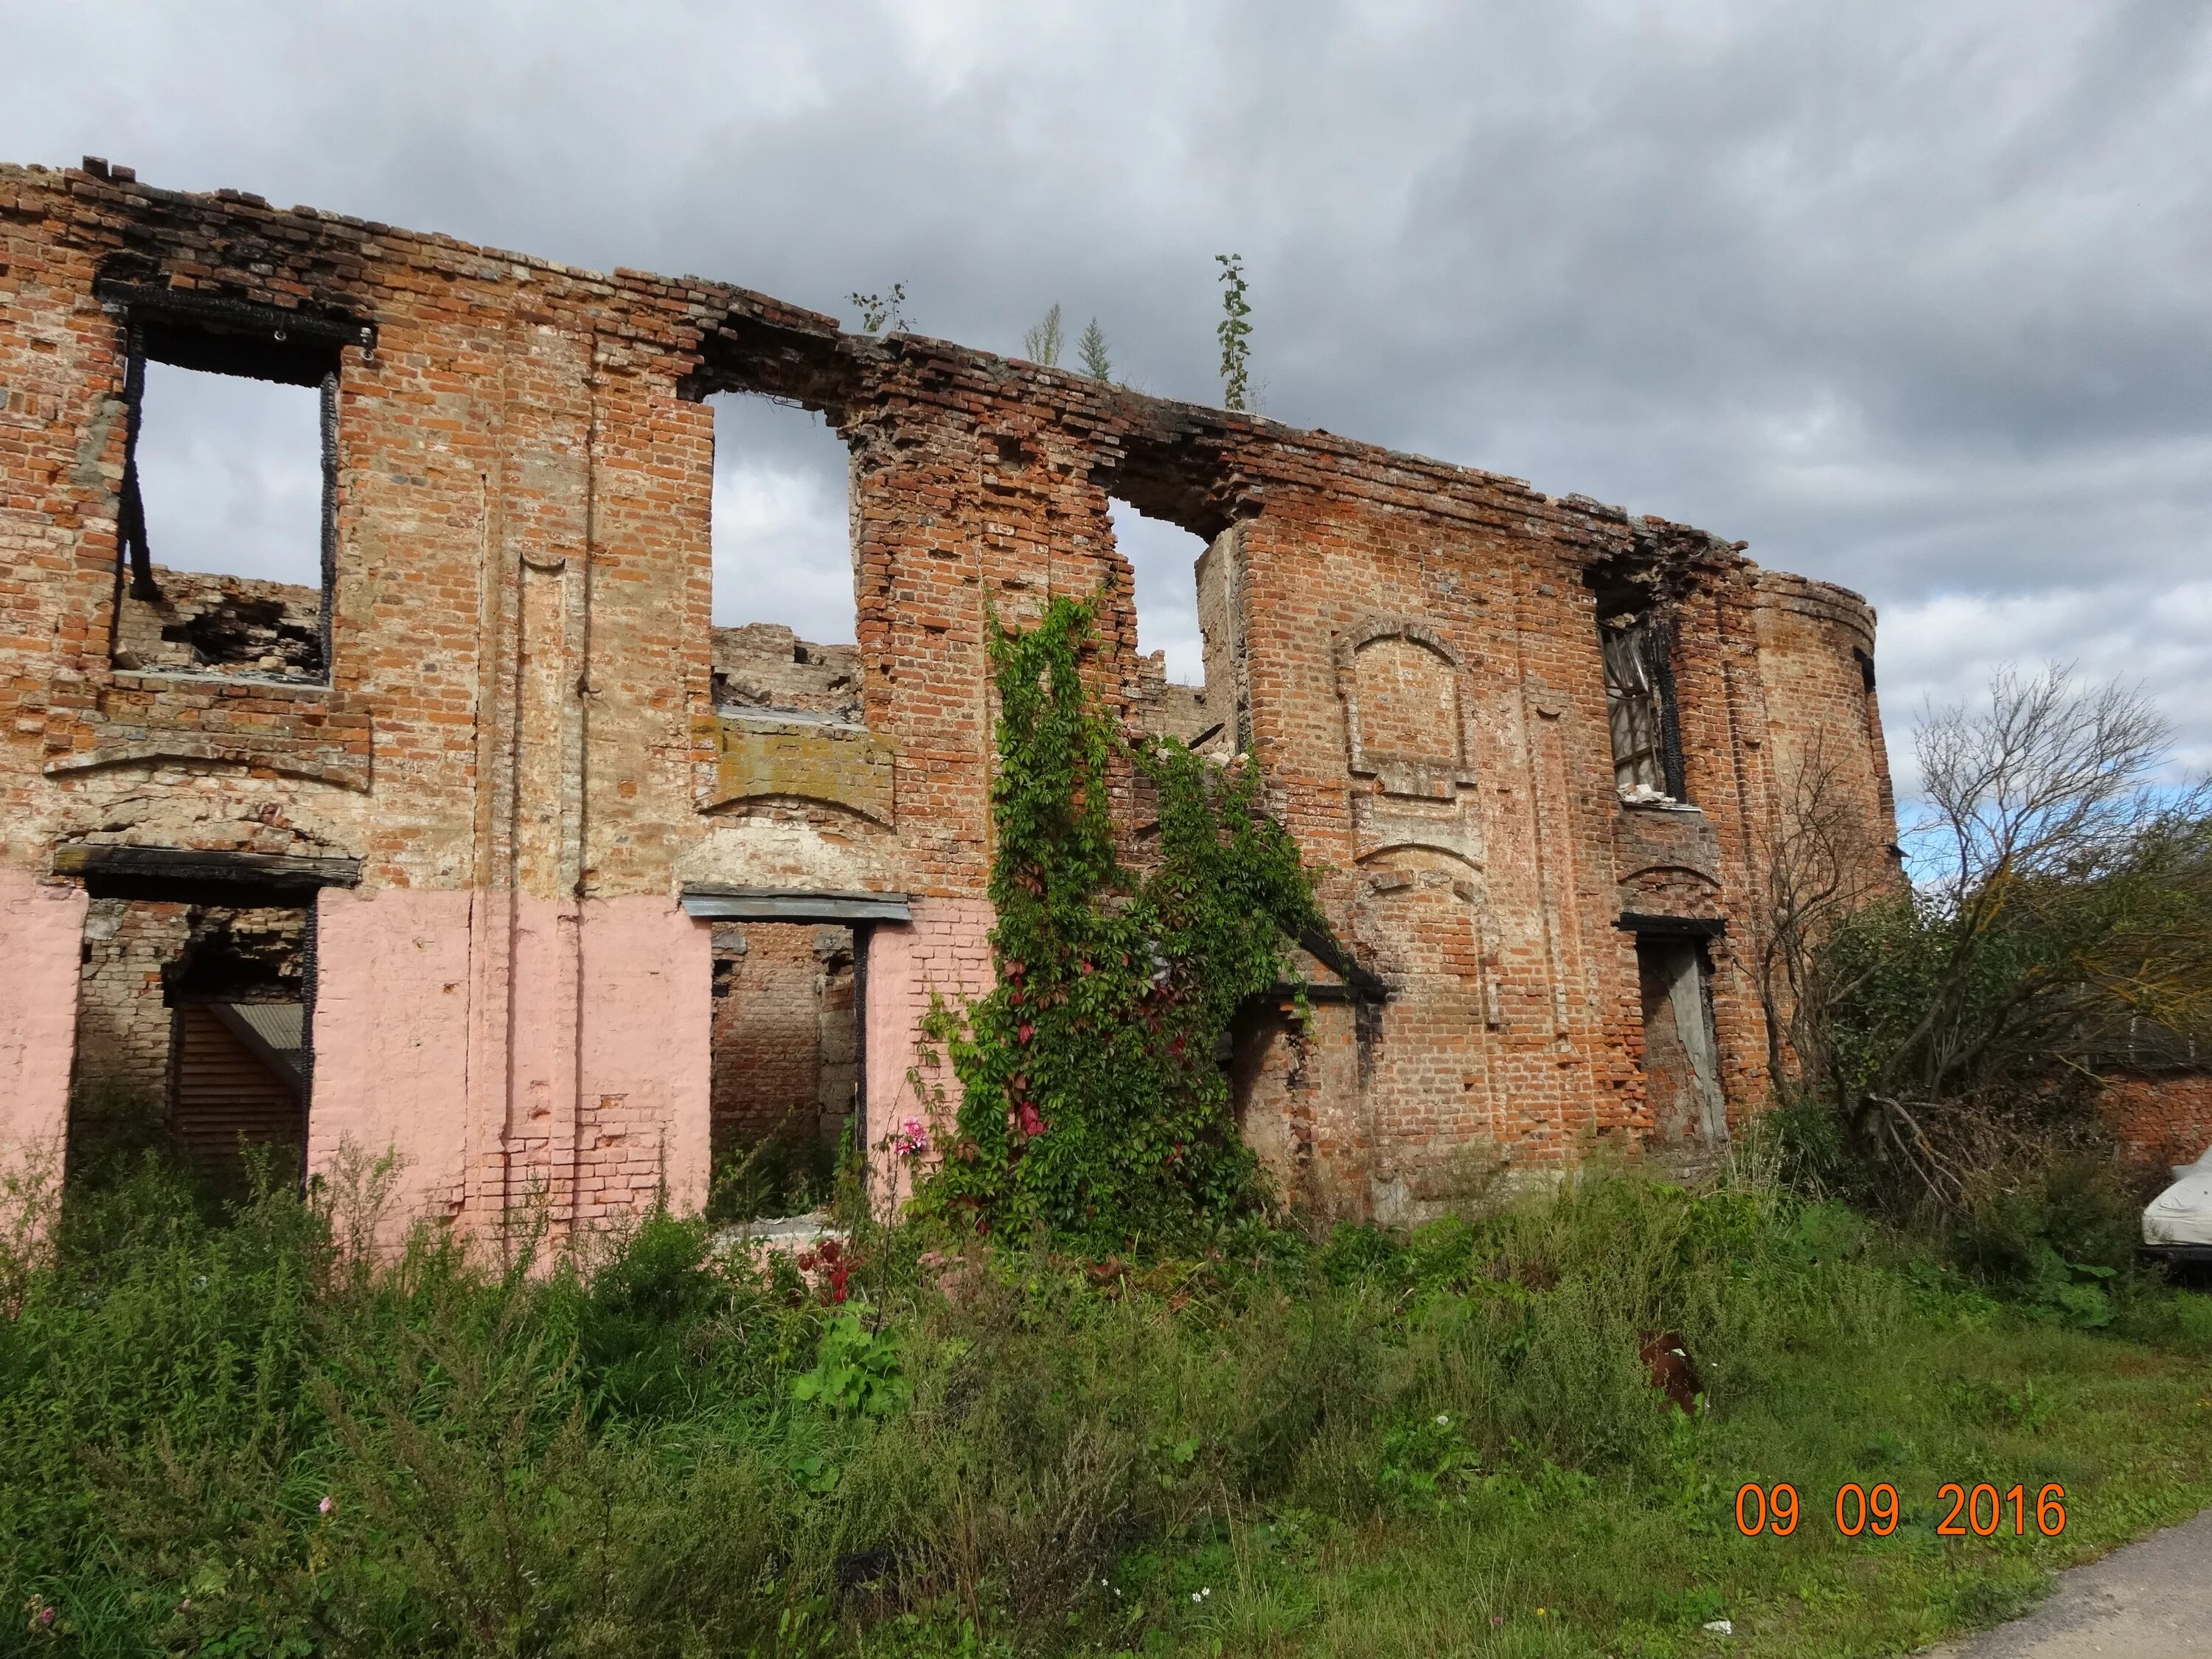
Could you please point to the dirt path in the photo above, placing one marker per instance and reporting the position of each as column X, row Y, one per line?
column 2145, row 1601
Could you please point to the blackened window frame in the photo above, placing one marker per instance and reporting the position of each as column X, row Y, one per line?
column 1651, row 640
column 218, row 334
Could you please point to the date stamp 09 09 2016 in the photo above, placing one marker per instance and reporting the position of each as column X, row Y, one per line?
column 1977, row 1511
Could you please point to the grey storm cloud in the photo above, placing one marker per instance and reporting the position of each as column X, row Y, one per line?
column 1912, row 295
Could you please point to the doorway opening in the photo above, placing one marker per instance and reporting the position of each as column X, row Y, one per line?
column 192, row 1041
column 1681, row 1050
column 786, row 1067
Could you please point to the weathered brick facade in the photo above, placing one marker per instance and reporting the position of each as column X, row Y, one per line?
column 524, row 751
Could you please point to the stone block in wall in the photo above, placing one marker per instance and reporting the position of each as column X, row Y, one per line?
column 762, row 755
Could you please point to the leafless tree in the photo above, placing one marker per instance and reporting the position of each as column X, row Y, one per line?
column 1821, row 860
column 2052, row 779
column 2065, row 897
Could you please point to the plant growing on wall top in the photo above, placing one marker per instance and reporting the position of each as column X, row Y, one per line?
column 1093, row 1106
column 878, row 310
column 1092, row 348
column 1234, row 332
column 1042, row 342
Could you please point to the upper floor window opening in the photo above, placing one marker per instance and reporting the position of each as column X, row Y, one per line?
column 1173, row 684
column 1640, row 706
column 227, row 517
column 785, row 603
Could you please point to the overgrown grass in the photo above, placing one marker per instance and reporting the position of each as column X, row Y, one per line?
column 789, row 1171
column 235, row 1440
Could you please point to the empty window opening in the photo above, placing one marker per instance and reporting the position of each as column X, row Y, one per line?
column 1681, row 1070
column 786, row 1067
column 1175, row 692
column 192, row 1038
column 1639, row 702
column 784, row 599
column 228, row 512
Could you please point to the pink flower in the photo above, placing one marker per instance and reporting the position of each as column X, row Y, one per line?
column 912, row 1139
column 329, row 1506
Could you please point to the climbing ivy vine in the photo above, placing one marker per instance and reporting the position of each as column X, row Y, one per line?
column 1093, row 1105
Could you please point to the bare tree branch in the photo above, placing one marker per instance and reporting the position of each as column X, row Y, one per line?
column 2065, row 900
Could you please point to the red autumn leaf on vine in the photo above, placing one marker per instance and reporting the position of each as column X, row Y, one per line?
column 1026, row 1032
column 1032, row 1121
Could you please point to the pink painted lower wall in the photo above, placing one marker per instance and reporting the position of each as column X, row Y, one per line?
column 522, row 1059
column 41, row 938
column 393, row 996
column 522, row 1157
column 946, row 951
column 648, row 1051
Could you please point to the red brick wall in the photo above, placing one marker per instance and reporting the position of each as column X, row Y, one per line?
column 2160, row 1118
column 521, row 714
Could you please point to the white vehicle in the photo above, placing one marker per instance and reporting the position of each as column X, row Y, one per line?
column 2177, row 1224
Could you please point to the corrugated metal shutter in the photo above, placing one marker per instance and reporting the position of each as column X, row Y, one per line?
column 279, row 1023
column 225, row 1098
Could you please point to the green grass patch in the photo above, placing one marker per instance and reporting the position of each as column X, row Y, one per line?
column 238, row 1439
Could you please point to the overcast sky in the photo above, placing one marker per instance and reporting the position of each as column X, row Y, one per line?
column 1914, row 296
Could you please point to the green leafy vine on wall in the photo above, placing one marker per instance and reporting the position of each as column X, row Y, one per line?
column 1094, row 1105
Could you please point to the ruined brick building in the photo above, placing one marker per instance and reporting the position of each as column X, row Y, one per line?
column 491, row 851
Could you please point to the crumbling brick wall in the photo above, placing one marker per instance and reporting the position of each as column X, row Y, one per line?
column 219, row 624
column 1169, row 709
column 142, row 957
column 529, row 744
column 764, row 665
column 123, row 1016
